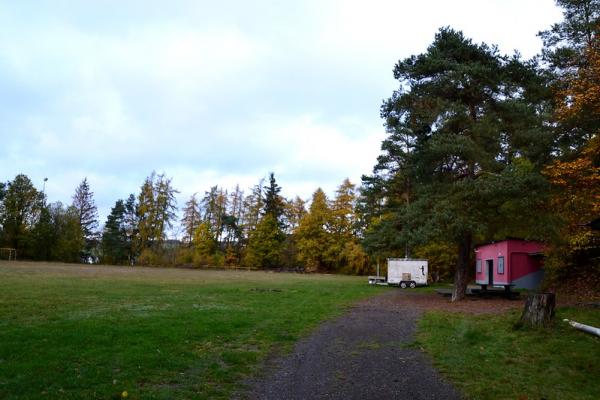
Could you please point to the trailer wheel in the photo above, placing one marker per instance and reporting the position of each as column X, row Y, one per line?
column 413, row 285
column 403, row 285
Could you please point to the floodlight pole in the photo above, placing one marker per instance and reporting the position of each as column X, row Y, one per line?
column 44, row 190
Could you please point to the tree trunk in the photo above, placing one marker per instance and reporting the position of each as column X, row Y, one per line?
column 462, row 268
column 539, row 310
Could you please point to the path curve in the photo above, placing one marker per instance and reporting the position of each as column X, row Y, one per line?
column 361, row 355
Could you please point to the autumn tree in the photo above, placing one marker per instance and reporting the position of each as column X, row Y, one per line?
column 265, row 244
column 253, row 206
column 293, row 212
column 204, row 244
column 314, row 240
column 576, row 175
column 19, row 212
column 83, row 203
column 155, row 212
column 191, row 218
column 214, row 205
column 69, row 235
column 232, row 223
column 570, row 53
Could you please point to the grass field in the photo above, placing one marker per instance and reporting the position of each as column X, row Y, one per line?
column 72, row 331
column 487, row 358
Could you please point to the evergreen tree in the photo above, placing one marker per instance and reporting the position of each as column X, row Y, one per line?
column 274, row 204
column 83, row 203
column 44, row 236
column 476, row 142
column 114, row 237
column 565, row 42
column 131, row 227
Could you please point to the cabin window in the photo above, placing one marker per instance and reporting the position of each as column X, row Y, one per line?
column 500, row 265
column 478, row 266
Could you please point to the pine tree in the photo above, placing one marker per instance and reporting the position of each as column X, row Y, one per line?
column 84, row 205
column 274, row 205
column 44, row 236
column 114, row 237
column 131, row 225
column 475, row 126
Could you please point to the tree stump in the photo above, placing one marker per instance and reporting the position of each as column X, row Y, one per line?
column 539, row 310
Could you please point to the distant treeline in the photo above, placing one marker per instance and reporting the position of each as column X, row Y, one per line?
column 260, row 229
column 481, row 146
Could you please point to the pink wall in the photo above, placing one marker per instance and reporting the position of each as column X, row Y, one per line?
column 517, row 261
column 491, row 252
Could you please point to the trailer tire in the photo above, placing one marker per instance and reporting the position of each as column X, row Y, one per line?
column 413, row 285
column 403, row 285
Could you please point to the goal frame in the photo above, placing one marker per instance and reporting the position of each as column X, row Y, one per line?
column 10, row 252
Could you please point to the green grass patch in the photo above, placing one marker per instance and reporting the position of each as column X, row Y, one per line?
column 487, row 358
column 93, row 332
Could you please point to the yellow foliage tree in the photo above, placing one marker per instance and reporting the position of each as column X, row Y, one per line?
column 577, row 180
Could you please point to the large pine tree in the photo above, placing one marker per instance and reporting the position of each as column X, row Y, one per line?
column 85, row 207
column 467, row 140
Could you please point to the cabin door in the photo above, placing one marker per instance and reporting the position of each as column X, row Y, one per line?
column 490, row 271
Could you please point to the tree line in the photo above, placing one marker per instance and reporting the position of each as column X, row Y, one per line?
column 261, row 229
column 481, row 146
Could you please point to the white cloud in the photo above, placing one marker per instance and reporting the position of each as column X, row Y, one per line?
column 217, row 93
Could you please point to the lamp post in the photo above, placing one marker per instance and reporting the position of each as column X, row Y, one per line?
column 44, row 190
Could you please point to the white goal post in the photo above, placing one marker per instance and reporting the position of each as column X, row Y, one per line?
column 8, row 253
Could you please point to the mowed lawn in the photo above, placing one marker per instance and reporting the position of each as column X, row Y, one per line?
column 77, row 331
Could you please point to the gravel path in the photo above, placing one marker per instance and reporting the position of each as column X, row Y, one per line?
column 360, row 355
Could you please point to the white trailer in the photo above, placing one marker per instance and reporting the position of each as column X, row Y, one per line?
column 407, row 272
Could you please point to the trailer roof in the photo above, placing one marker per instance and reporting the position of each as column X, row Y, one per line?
column 407, row 259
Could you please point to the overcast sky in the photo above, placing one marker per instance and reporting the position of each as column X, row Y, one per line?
column 217, row 92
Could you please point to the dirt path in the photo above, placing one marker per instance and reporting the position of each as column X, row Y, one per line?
column 360, row 355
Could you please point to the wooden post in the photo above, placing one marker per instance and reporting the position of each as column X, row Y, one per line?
column 539, row 310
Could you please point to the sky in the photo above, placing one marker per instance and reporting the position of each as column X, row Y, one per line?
column 217, row 92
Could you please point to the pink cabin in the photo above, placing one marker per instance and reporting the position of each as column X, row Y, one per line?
column 509, row 263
